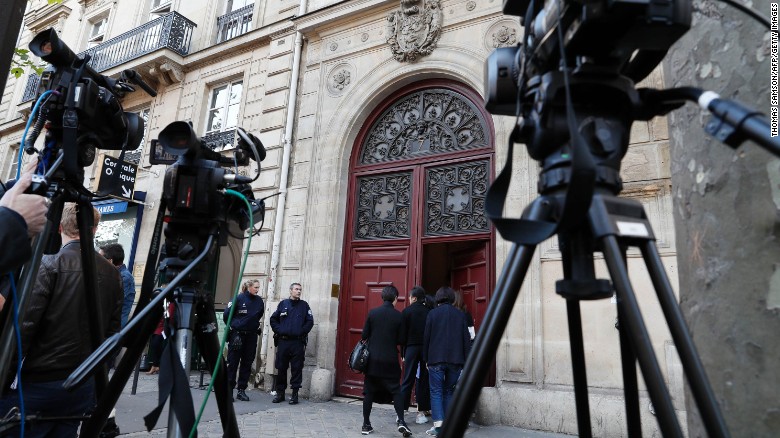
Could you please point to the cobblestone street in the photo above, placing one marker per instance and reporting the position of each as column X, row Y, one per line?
column 259, row 417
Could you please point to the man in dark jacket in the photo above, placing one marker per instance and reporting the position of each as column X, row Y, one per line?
column 55, row 331
column 291, row 323
column 244, row 328
column 384, row 331
column 414, row 330
column 445, row 348
column 115, row 254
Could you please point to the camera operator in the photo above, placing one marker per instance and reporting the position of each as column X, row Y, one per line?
column 21, row 216
column 54, row 332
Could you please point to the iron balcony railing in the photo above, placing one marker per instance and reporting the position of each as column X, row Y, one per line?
column 218, row 141
column 172, row 31
column 31, row 89
column 234, row 23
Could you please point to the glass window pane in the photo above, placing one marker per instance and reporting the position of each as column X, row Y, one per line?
column 232, row 116
column 215, row 120
column 218, row 97
column 235, row 92
column 238, row 4
column 99, row 28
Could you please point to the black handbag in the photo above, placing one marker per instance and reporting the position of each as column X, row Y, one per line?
column 144, row 365
column 358, row 360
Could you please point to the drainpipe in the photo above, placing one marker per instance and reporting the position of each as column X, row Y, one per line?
column 273, row 292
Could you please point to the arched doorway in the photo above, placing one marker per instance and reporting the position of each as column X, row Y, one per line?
column 419, row 172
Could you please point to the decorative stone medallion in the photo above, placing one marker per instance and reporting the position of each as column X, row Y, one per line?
column 339, row 78
column 501, row 34
column 414, row 30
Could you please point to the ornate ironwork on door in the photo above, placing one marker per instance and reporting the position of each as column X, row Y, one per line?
column 427, row 122
column 384, row 206
column 455, row 199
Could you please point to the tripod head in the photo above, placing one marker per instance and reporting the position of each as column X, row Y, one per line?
column 573, row 75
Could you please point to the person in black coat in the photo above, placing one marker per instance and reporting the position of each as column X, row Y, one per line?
column 244, row 329
column 414, row 330
column 384, row 332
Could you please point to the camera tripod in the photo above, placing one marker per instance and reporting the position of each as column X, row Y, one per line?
column 194, row 317
column 600, row 221
column 613, row 224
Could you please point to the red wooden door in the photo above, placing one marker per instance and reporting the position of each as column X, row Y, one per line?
column 470, row 275
column 418, row 176
column 470, row 270
column 373, row 268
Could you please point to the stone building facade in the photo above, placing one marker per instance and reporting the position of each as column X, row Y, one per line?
column 372, row 115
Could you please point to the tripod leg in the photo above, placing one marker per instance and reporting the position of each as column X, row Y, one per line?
column 484, row 350
column 637, row 332
column 578, row 368
column 577, row 259
column 628, row 364
column 630, row 384
column 208, row 345
column 97, row 325
column 694, row 370
column 93, row 426
column 184, row 315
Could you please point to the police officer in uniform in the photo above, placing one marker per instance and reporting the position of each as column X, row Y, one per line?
column 291, row 322
column 244, row 328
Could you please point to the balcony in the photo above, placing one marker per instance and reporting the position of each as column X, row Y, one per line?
column 234, row 23
column 31, row 89
column 219, row 141
column 172, row 31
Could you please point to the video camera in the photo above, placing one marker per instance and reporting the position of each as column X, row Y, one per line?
column 600, row 47
column 194, row 184
column 84, row 111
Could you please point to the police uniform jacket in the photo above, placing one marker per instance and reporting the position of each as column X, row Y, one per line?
column 249, row 311
column 292, row 320
column 383, row 330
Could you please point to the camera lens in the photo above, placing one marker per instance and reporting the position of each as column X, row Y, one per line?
column 45, row 47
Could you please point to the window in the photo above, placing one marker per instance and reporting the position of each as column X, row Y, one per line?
column 158, row 8
column 223, row 107
column 236, row 21
column 97, row 31
column 12, row 162
column 233, row 5
column 134, row 155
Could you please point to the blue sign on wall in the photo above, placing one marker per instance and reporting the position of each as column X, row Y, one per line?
column 112, row 208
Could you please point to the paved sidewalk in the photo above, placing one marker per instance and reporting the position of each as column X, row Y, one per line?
column 261, row 418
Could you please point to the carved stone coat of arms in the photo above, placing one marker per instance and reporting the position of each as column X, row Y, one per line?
column 414, row 30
